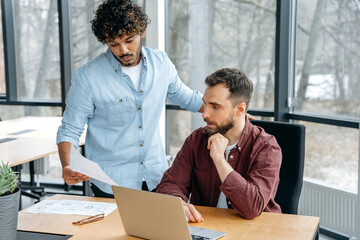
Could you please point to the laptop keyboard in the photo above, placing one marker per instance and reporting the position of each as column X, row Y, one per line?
column 196, row 237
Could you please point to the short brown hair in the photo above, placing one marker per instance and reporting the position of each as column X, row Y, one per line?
column 239, row 85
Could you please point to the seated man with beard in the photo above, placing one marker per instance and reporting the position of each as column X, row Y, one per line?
column 230, row 163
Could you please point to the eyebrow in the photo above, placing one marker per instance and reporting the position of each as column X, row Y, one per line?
column 212, row 103
column 125, row 39
column 130, row 37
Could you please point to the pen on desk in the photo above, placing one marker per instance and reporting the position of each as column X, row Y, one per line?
column 90, row 219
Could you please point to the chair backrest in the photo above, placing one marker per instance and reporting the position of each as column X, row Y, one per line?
column 291, row 138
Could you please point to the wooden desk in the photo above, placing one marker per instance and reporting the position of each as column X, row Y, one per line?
column 268, row 226
column 35, row 137
column 22, row 150
column 30, row 123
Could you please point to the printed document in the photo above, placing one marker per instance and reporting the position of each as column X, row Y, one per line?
column 72, row 207
column 79, row 163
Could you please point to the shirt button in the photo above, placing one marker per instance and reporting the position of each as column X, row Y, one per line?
column 139, row 108
column 231, row 156
column 120, row 100
column 141, row 91
column 141, row 144
column 139, row 126
column 141, row 163
column 229, row 203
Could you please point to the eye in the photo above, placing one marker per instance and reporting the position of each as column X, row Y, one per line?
column 215, row 106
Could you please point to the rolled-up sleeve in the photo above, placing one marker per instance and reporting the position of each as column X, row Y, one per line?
column 181, row 94
column 79, row 108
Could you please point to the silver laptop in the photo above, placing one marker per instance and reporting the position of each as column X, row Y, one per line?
column 157, row 216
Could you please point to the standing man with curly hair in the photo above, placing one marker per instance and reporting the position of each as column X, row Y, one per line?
column 120, row 96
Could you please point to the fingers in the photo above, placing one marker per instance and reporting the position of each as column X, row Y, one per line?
column 192, row 215
column 188, row 214
column 217, row 139
column 251, row 117
column 209, row 143
column 71, row 177
column 212, row 139
column 196, row 215
column 74, row 180
column 217, row 144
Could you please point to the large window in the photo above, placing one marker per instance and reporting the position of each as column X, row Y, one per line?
column 204, row 36
column 327, row 83
column 327, row 78
column 85, row 45
column 2, row 66
column 37, row 45
column 331, row 155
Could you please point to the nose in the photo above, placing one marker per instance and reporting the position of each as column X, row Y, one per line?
column 123, row 49
column 206, row 112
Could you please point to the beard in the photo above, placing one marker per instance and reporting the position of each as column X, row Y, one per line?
column 137, row 56
column 221, row 128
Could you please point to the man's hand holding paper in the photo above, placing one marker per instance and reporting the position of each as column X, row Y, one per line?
column 82, row 168
column 71, row 177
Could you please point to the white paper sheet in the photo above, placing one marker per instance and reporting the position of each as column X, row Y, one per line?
column 72, row 207
column 79, row 163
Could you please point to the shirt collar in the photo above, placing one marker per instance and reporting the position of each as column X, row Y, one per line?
column 115, row 64
column 245, row 134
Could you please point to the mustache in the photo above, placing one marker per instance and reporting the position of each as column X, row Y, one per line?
column 125, row 55
column 208, row 122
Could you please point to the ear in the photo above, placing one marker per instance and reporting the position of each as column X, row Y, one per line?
column 142, row 35
column 240, row 109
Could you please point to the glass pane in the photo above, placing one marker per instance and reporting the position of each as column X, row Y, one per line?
column 37, row 43
column 85, row 44
column 327, row 59
column 179, row 121
column 204, row 36
column 2, row 66
column 331, row 155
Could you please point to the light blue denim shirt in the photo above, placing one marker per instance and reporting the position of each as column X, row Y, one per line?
column 123, row 134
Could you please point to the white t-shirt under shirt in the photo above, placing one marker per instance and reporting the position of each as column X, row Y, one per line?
column 134, row 73
column 222, row 198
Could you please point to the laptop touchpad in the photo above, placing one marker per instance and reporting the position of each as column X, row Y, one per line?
column 205, row 233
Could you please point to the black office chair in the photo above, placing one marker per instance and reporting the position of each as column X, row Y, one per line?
column 291, row 138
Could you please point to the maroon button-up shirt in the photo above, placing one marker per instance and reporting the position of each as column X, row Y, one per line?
column 251, row 187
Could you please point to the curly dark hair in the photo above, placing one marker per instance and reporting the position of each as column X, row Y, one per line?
column 116, row 18
column 239, row 85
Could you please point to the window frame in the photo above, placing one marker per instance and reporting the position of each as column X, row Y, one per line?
column 11, row 96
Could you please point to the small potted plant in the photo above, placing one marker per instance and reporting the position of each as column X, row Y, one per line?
column 9, row 202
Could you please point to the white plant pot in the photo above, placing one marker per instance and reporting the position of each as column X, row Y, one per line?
column 9, row 207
